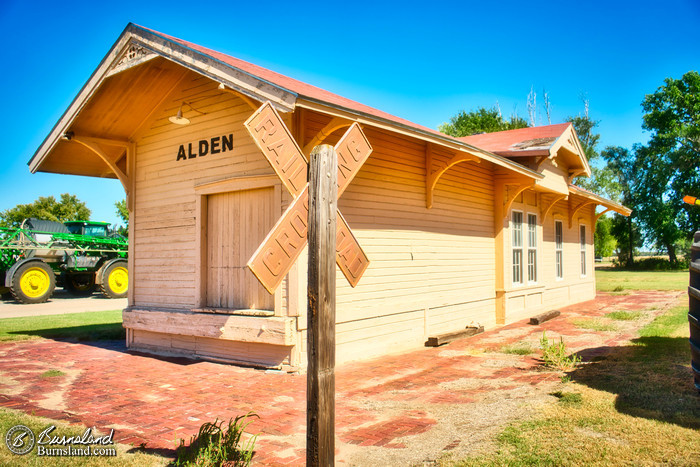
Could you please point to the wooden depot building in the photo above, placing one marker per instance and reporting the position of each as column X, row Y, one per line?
column 482, row 230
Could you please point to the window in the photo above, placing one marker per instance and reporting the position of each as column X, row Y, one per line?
column 532, row 248
column 517, row 235
column 583, row 249
column 559, row 248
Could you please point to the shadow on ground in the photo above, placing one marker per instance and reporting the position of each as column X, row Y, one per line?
column 652, row 379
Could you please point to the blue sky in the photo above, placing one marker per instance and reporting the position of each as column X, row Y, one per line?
column 421, row 61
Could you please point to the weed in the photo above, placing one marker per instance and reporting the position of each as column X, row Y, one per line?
column 619, row 288
column 566, row 379
column 518, row 348
column 52, row 374
column 594, row 324
column 214, row 445
column 568, row 397
column 625, row 315
column 554, row 354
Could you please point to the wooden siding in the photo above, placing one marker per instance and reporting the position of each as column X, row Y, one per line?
column 237, row 222
column 165, row 226
column 431, row 270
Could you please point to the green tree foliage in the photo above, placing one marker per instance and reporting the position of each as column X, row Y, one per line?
column 604, row 242
column 585, row 126
column 670, row 163
column 622, row 173
column 68, row 208
column 481, row 120
column 122, row 211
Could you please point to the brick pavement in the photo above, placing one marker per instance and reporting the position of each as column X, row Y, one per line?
column 391, row 410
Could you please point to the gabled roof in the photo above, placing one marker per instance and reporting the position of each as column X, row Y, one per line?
column 541, row 141
column 531, row 141
column 252, row 81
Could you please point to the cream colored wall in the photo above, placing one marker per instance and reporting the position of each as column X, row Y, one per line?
column 165, row 249
column 432, row 270
column 549, row 292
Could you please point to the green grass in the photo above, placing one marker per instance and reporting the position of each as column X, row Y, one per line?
column 638, row 406
column 624, row 315
column 92, row 326
column 518, row 348
column 52, row 374
column 594, row 324
column 619, row 281
column 126, row 455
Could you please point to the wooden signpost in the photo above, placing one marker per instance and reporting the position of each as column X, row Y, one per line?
column 312, row 216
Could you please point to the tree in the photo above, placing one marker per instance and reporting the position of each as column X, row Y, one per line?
column 481, row 120
column 123, row 213
column 604, row 242
column 67, row 209
column 672, row 156
column 621, row 172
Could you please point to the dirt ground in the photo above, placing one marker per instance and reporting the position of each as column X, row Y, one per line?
column 61, row 302
column 407, row 409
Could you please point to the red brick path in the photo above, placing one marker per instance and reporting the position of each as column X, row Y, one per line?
column 383, row 404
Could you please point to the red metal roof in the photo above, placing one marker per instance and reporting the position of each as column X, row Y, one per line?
column 528, row 141
column 295, row 86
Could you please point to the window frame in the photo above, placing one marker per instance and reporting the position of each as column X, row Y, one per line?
column 517, row 248
column 532, row 250
column 583, row 249
column 559, row 251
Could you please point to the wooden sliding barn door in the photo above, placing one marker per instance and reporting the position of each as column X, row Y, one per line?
column 237, row 222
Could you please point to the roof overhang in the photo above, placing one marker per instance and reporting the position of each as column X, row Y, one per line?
column 141, row 47
column 599, row 200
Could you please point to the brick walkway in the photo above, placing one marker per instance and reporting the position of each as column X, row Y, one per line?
column 393, row 410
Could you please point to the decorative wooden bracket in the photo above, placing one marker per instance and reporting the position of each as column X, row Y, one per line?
column 575, row 173
column 545, row 208
column 435, row 169
column 541, row 160
column 572, row 212
column 510, row 197
column 245, row 98
column 335, row 124
column 94, row 144
column 598, row 216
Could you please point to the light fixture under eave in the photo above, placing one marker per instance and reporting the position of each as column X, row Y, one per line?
column 179, row 119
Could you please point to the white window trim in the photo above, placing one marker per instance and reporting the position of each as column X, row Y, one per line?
column 556, row 250
column 583, row 248
column 522, row 249
column 526, row 222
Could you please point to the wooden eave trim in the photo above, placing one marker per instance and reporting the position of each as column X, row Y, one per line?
column 336, row 123
column 86, row 92
column 545, row 209
column 446, row 141
column 611, row 206
column 435, row 170
column 570, row 133
column 246, row 83
column 230, row 76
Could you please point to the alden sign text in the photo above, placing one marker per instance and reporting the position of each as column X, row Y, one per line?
column 203, row 147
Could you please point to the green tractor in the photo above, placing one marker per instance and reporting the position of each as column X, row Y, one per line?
column 79, row 256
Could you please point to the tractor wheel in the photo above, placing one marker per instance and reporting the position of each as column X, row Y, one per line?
column 80, row 285
column 33, row 282
column 115, row 280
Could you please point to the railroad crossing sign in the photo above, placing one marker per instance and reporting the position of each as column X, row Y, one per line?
column 285, row 242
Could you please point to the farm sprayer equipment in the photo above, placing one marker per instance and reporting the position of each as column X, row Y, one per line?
column 78, row 256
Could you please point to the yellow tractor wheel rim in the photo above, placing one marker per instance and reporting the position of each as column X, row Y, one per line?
column 35, row 282
column 118, row 280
